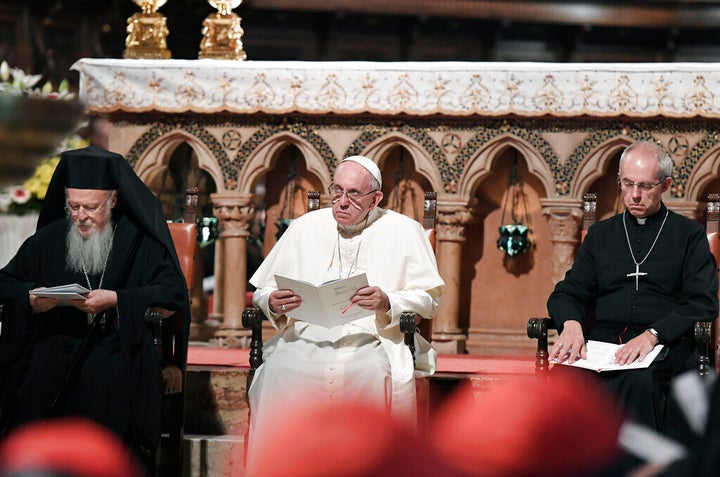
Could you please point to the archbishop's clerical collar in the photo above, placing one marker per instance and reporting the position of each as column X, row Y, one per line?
column 651, row 219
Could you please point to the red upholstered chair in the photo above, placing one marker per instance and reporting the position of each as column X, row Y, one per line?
column 706, row 335
column 706, row 332
column 171, row 341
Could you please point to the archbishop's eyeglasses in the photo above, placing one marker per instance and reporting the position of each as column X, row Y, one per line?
column 644, row 186
column 91, row 211
column 354, row 196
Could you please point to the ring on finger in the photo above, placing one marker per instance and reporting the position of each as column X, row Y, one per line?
column 282, row 307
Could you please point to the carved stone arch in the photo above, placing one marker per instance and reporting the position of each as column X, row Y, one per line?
column 706, row 170
column 158, row 153
column 424, row 164
column 592, row 167
column 480, row 166
column 420, row 137
column 260, row 160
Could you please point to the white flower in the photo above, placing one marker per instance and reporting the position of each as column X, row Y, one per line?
column 14, row 81
column 20, row 195
column 4, row 71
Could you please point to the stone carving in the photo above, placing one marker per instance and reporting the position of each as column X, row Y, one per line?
column 565, row 222
column 451, row 225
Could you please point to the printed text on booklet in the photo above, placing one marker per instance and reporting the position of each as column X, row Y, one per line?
column 328, row 304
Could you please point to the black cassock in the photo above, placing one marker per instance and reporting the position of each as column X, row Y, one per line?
column 118, row 382
column 678, row 288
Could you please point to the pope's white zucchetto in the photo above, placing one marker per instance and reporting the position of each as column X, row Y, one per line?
column 368, row 164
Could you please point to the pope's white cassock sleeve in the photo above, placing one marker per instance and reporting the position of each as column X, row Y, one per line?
column 395, row 254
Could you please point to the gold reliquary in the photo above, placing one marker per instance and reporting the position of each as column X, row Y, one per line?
column 147, row 32
column 222, row 33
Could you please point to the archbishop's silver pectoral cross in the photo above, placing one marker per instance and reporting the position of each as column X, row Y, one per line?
column 637, row 275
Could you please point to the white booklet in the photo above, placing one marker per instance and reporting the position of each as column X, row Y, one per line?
column 601, row 357
column 327, row 304
column 63, row 292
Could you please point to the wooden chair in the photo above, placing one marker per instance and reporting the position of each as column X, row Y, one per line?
column 705, row 334
column 537, row 328
column 410, row 323
column 171, row 342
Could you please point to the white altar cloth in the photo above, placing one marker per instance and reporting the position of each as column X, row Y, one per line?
column 678, row 90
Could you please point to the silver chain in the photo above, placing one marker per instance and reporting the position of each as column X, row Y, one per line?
column 91, row 316
column 627, row 237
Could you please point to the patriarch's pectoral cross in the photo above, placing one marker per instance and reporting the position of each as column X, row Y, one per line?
column 637, row 275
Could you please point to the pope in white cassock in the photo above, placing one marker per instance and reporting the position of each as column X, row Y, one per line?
column 365, row 358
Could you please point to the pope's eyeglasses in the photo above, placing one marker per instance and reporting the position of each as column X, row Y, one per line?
column 354, row 196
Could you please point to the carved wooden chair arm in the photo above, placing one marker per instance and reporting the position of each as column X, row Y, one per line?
column 408, row 325
column 703, row 339
column 252, row 318
column 172, row 376
column 537, row 328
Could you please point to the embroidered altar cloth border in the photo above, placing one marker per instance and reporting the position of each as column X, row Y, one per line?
column 677, row 90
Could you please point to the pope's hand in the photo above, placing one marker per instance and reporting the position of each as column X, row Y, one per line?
column 371, row 298
column 283, row 300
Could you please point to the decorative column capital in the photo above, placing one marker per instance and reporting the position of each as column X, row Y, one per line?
column 454, row 213
column 690, row 209
column 564, row 217
column 234, row 211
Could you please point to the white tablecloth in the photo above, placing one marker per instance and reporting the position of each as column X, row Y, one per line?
column 680, row 90
column 14, row 229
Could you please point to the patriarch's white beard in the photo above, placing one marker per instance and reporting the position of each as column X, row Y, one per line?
column 88, row 254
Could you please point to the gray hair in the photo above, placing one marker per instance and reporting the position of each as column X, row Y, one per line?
column 654, row 150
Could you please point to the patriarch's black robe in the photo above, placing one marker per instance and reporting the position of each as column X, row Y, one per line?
column 118, row 383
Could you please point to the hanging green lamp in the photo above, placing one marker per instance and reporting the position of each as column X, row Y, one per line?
column 514, row 238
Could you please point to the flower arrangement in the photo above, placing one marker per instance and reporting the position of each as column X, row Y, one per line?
column 28, row 196
column 21, row 89
column 14, row 81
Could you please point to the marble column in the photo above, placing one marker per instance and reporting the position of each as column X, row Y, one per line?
column 216, row 315
column 234, row 211
column 565, row 218
column 198, row 299
column 454, row 213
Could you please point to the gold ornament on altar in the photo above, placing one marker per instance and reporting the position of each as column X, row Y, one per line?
column 222, row 33
column 147, row 32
